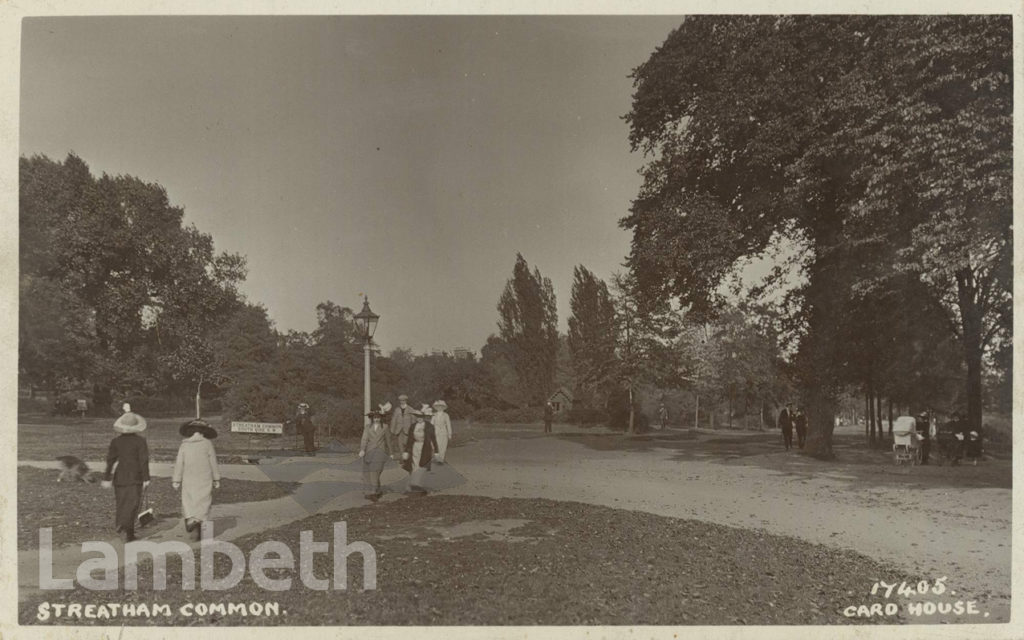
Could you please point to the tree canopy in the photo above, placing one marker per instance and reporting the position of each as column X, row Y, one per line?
column 880, row 144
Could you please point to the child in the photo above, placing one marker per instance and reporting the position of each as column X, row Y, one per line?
column 127, row 470
column 419, row 451
column 196, row 474
column 375, row 450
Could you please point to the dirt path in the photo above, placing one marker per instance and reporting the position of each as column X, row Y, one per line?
column 961, row 533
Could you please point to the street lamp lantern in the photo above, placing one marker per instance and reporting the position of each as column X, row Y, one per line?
column 366, row 320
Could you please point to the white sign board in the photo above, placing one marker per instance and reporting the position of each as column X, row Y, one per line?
column 257, row 427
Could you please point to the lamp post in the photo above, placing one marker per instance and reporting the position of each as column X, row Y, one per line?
column 366, row 321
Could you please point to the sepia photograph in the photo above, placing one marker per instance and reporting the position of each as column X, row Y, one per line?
column 585, row 322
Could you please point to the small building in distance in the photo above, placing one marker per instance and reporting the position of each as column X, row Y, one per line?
column 561, row 400
column 462, row 353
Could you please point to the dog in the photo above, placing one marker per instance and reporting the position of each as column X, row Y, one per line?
column 73, row 468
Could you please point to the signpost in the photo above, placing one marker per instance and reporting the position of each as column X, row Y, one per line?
column 256, row 429
column 273, row 428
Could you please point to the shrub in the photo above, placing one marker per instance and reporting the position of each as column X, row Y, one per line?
column 518, row 415
column 35, row 405
column 587, row 415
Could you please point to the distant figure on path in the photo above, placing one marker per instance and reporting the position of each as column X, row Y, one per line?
column 196, row 474
column 402, row 419
column 304, row 424
column 442, row 428
column 127, row 470
column 549, row 415
column 374, row 449
column 662, row 416
column 786, row 424
column 418, row 453
column 800, row 422
column 925, row 429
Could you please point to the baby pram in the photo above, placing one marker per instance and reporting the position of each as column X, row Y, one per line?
column 906, row 443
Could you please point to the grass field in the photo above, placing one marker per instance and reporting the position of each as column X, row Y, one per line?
column 78, row 511
column 44, row 437
column 454, row 560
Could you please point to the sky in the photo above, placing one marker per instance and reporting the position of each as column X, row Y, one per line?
column 405, row 157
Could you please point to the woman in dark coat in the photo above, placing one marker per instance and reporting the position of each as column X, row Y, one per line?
column 127, row 470
column 420, row 445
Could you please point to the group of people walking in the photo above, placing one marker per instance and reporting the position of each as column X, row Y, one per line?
column 419, row 437
column 127, row 472
column 791, row 418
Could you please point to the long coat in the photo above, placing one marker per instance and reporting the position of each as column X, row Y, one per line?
column 427, row 453
column 196, row 469
column 785, row 420
column 130, row 454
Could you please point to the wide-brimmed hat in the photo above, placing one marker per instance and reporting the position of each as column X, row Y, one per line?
column 130, row 423
column 403, row 397
column 197, row 426
column 441, row 404
column 374, row 414
column 424, row 412
column 303, row 405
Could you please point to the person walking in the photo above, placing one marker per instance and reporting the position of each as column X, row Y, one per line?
column 402, row 419
column 303, row 422
column 375, row 450
column 127, row 470
column 418, row 453
column 800, row 422
column 786, row 424
column 549, row 415
column 662, row 416
column 196, row 474
column 926, row 430
column 442, row 424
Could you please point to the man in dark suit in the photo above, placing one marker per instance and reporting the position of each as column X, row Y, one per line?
column 304, row 425
column 786, row 424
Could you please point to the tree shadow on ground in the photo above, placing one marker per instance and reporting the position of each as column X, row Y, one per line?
column 855, row 462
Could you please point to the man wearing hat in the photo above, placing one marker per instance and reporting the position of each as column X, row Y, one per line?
column 786, row 424
column 304, row 425
column 402, row 419
column 127, row 470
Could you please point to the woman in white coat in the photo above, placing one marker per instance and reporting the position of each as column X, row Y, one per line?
column 442, row 429
column 196, row 474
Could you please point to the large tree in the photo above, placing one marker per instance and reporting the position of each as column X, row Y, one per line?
column 140, row 284
column 592, row 332
column 760, row 126
column 528, row 324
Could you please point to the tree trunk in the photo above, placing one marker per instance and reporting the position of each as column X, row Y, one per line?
column 101, row 399
column 817, row 357
column 632, row 427
column 199, row 391
column 867, row 416
column 696, row 412
column 970, row 319
column 879, row 410
column 890, row 420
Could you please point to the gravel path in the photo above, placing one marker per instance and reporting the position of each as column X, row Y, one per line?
column 963, row 533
